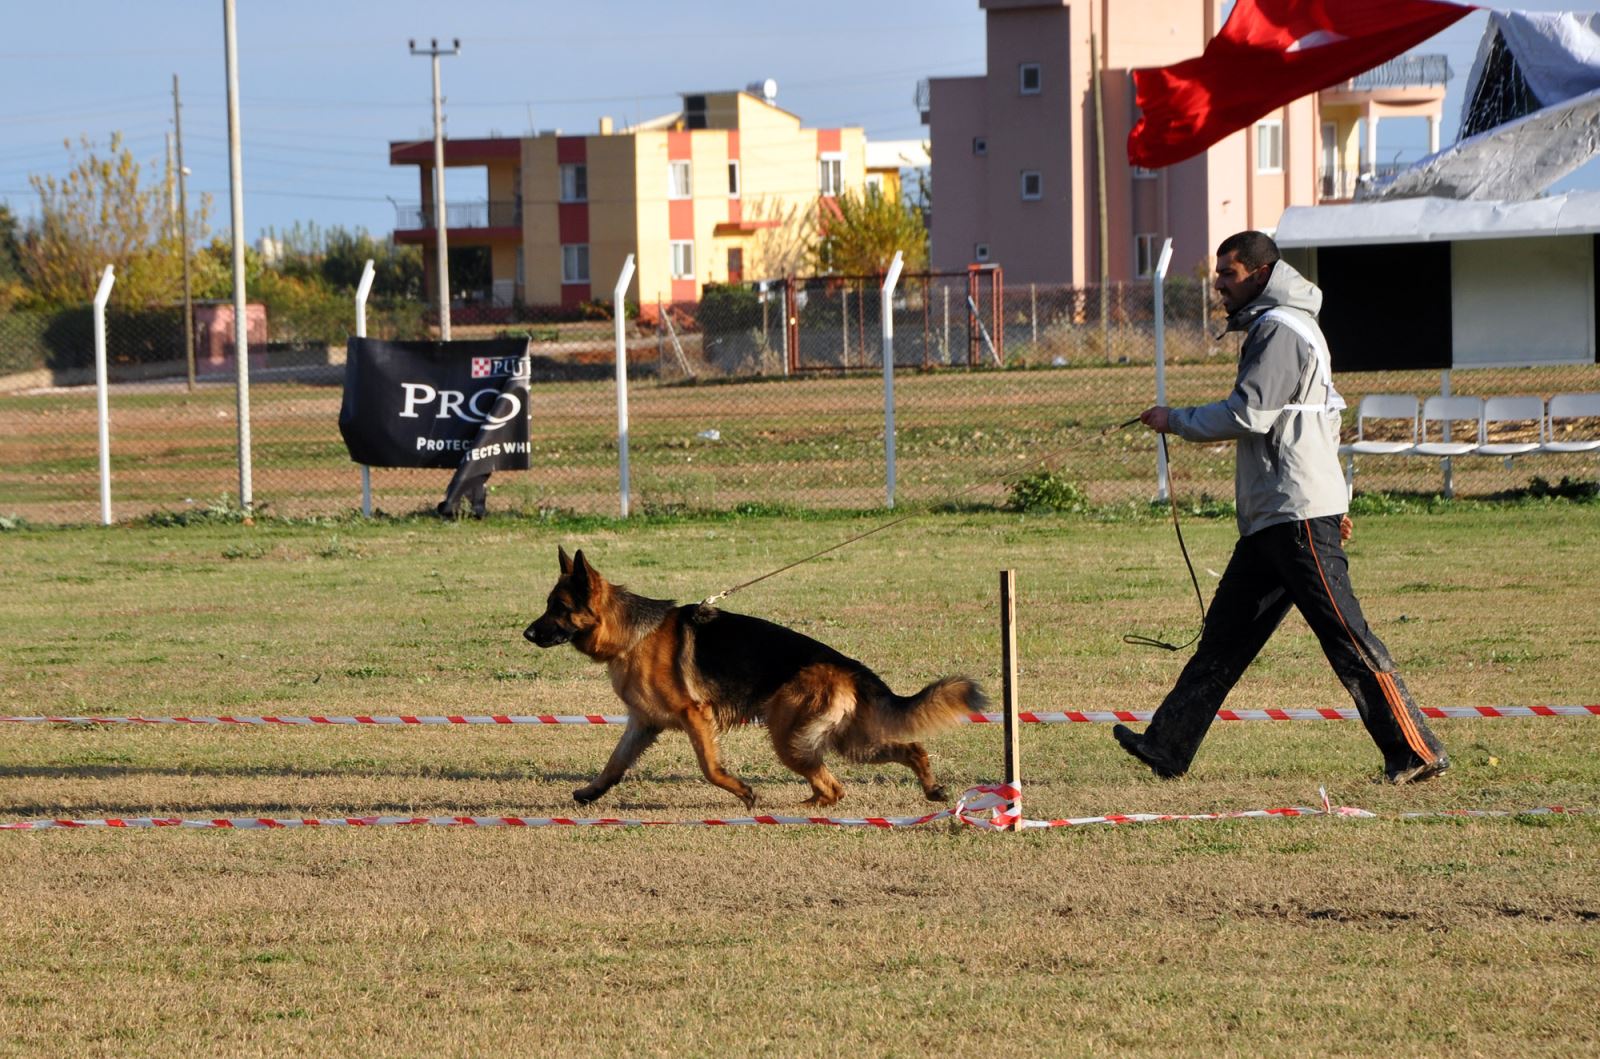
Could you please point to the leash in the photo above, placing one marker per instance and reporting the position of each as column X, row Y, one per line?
column 717, row 597
column 712, row 600
column 703, row 608
column 1172, row 499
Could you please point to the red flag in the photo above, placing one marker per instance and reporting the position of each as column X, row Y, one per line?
column 1269, row 53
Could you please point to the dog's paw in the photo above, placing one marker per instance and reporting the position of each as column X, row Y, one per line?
column 585, row 795
column 936, row 794
column 748, row 797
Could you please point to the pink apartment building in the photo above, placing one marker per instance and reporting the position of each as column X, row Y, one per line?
column 1014, row 148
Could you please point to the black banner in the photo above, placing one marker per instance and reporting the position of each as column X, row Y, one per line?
column 462, row 405
column 436, row 404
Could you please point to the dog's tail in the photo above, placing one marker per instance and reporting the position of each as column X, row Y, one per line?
column 940, row 705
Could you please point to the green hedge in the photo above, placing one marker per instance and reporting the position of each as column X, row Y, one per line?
column 63, row 340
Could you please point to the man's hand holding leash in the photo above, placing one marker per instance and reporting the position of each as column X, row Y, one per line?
column 1155, row 417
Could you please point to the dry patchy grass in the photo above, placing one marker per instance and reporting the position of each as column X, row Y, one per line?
column 1255, row 937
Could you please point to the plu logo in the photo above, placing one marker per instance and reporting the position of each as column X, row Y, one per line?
column 493, row 367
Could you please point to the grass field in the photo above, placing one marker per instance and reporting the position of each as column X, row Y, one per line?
column 1295, row 937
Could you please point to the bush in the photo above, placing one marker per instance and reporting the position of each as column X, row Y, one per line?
column 303, row 310
column 729, row 309
column 1046, row 491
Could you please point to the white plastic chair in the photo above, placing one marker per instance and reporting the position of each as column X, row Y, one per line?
column 1518, row 410
column 1397, row 406
column 1571, row 406
column 1400, row 407
column 1442, row 410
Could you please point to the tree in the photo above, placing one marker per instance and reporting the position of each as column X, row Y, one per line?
column 398, row 269
column 12, row 288
column 860, row 232
column 336, row 257
column 103, row 213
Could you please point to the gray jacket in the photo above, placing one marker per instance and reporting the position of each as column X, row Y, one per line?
column 1283, row 411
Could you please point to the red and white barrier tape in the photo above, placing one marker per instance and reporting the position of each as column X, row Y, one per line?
column 974, row 801
column 1002, row 800
column 1027, row 717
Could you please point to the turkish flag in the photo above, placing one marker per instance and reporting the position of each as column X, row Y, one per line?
column 1269, row 53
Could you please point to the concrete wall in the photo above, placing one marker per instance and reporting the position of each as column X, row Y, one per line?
column 541, row 245
column 613, row 214
column 957, row 115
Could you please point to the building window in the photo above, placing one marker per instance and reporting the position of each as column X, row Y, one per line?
column 980, row 252
column 1028, row 79
column 733, row 178
column 575, row 263
column 683, row 260
column 1269, row 147
column 830, row 174
column 679, row 182
column 575, row 183
column 1144, row 253
column 980, row 146
column 1141, row 173
column 1032, row 184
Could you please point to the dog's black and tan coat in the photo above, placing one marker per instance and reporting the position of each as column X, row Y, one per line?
column 701, row 670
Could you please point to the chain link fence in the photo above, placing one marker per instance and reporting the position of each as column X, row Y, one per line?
column 760, row 394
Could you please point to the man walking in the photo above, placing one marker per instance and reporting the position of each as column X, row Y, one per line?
column 1292, row 503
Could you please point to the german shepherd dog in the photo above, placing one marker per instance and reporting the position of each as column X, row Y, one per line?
column 701, row 670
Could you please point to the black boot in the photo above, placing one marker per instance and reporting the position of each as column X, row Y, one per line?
column 1136, row 746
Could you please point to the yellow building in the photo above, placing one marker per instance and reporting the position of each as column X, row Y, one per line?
column 689, row 195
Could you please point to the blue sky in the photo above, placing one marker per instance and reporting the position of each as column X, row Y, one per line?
column 325, row 86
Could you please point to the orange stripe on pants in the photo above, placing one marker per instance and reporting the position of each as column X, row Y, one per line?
column 1391, row 691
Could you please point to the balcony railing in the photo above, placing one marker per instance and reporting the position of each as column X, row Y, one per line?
column 1405, row 71
column 1338, row 184
column 508, row 214
column 1342, row 183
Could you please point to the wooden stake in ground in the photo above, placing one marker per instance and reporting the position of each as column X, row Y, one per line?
column 1008, row 683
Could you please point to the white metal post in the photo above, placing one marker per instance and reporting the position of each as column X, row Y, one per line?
column 362, row 290
column 944, row 338
column 887, row 312
column 1159, row 281
column 241, row 324
column 101, row 296
column 619, row 315
column 1033, row 312
column 844, row 327
column 440, row 225
column 1446, row 466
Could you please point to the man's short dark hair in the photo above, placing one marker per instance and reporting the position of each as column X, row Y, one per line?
column 1251, row 249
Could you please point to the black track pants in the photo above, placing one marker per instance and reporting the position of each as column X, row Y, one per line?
column 1300, row 564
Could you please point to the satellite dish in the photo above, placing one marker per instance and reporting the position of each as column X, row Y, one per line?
column 769, row 89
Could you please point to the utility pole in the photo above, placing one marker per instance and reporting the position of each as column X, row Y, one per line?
column 183, row 234
column 241, row 329
column 442, row 260
column 1100, row 192
column 172, row 190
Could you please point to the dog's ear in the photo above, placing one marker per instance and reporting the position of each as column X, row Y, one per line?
column 565, row 560
column 582, row 571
